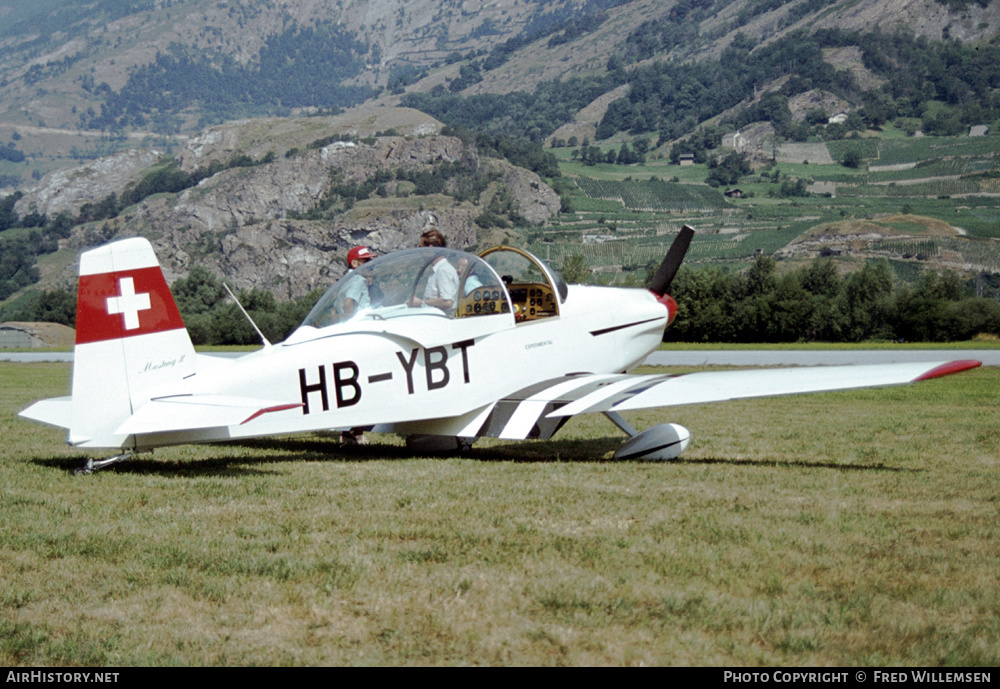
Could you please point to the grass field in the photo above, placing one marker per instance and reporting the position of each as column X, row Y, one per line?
column 839, row 529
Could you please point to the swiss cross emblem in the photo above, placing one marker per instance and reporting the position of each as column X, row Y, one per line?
column 128, row 303
column 125, row 304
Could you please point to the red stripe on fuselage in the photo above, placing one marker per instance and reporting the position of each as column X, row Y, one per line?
column 124, row 304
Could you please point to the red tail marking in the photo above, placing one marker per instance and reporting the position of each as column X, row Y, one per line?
column 125, row 304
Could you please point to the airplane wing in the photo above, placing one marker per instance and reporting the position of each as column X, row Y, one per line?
column 198, row 411
column 538, row 411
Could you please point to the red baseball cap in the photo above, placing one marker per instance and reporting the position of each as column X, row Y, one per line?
column 359, row 252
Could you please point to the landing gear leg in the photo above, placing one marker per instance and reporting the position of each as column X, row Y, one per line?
column 92, row 465
column 617, row 420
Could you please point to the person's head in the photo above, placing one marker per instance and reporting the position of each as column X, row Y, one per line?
column 358, row 256
column 433, row 238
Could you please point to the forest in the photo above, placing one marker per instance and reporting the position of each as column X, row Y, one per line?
column 817, row 304
column 302, row 67
column 672, row 98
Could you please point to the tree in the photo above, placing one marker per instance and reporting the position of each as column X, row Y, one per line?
column 200, row 292
column 574, row 269
column 729, row 170
column 56, row 306
column 852, row 158
column 865, row 301
column 821, row 278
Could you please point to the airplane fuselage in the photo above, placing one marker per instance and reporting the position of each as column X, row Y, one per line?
column 420, row 371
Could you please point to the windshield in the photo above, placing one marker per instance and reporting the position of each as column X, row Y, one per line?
column 535, row 289
column 427, row 281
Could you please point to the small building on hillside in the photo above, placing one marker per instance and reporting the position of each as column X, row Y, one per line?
column 979, row 130
column 18, row 335
column 734, row 140
column 686, row 159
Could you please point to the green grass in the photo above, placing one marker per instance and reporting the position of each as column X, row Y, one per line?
column 838, row 529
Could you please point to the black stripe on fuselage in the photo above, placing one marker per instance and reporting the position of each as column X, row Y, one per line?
column 605, row 331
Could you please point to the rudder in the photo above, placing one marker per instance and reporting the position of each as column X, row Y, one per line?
column 130, row 338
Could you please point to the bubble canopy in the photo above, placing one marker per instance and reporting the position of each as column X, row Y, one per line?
column 442, row 282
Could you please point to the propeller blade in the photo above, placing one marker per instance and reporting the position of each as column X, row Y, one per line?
column 672, row 261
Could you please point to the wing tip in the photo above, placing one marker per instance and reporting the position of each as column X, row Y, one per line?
column 949, row 368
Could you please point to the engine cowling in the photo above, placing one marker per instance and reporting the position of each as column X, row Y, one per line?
column 665, row 441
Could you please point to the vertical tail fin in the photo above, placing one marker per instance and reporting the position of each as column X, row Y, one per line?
column 130, row 338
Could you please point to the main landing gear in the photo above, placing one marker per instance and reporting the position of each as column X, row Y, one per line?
column 665, row 441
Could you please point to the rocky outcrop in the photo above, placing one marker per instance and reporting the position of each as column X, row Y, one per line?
column 68, row 190
column 537, row 200
column 256, row 226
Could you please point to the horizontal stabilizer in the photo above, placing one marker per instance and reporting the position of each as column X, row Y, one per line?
column 57, row 411
column 189, row 412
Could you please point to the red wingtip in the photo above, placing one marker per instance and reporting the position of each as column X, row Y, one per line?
column 949, row 368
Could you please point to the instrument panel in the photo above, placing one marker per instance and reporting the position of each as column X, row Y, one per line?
column 533, row 300
column 483, row 301
column 530, row 301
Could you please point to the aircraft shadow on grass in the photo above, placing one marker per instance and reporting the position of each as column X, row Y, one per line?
column 289, row 450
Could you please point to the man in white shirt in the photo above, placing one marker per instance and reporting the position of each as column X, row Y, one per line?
column 472, row 280
column 442, row 285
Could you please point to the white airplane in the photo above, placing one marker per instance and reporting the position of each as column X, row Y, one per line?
column 514, row 354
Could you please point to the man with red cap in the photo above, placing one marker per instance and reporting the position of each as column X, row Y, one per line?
column 355, row 298
column 355, row 294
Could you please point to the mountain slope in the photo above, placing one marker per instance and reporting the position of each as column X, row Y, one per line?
column 165, row 68
column 233, row 93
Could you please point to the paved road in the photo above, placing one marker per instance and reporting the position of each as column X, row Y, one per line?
column 989, row 357
column 32, row 357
